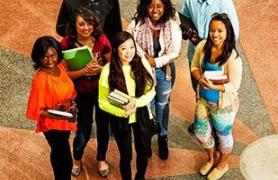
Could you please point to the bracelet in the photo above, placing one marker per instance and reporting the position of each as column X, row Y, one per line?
column 199, row 80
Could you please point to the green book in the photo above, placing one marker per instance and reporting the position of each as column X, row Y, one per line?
column 78, row 58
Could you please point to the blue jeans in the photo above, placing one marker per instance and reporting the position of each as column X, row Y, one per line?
column 161, row 102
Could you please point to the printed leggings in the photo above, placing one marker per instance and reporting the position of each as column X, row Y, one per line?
column 208, row 115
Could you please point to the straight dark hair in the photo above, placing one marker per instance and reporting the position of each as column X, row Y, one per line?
column 142, row 10
column 229, row 44
column 40, row 48
column 138, row 71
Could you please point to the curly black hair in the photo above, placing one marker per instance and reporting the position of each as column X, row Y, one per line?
column 142, row 10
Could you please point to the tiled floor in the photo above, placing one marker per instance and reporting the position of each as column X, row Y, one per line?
column 25, row 154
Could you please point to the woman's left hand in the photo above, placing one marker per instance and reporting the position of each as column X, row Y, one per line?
column 210, row 84
column 130, row 107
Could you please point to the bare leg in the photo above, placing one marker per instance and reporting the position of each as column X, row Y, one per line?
column 210, row 153
column 209, row 164
column 222, row 161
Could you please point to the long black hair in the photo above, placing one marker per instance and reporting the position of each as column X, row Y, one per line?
column 142, row 10
column 138, row 72
column 229, row 44
column 40, row 48
column 89, row 17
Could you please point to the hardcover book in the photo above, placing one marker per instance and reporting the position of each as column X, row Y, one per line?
column 78, row 58
column 118, row 98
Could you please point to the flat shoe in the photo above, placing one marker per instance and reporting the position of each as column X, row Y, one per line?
column 217, row 174
column 206, row 168
column 75, row 171
column 105, row 172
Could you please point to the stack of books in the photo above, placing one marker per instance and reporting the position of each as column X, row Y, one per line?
column 118, row 98
column 217, row 77
column 78, row 58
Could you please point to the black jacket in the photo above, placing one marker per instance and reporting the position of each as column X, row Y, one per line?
column 108, row 12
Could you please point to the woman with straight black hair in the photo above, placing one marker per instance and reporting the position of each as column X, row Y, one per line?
column 132, row 75
column 217, row 102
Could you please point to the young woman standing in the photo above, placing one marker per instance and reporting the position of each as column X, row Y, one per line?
column 217, row 104
column 132, row 75
column 51, row 87
column 84, row 30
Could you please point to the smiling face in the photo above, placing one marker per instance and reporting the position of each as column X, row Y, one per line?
column 50, row 58
column 155, row 10
column 84, row 29
column 217, row 32
column 126, row 51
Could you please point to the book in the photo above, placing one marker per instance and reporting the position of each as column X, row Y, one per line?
column 118, row 98
column 217, row 77
column 60, row 113
column 78, row 58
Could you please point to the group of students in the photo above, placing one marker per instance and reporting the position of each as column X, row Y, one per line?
column 139, row 62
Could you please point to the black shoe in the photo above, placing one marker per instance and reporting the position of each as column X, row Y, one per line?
column 191, row 129
column 163, row 147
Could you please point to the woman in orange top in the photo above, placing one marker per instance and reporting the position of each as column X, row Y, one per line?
column 52, row 89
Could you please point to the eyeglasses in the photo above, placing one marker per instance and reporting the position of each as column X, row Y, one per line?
column 50, row 57
column 221, row 15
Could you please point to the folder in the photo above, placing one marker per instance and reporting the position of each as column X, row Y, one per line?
column 78, row 58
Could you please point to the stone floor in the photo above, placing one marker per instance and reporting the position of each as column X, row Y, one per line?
column 25, row 154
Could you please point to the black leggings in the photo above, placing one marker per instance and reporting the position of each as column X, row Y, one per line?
column 60, row 155
column 124, row 142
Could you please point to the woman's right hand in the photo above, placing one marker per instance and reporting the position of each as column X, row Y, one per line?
column 203, row 83
column 92, row 68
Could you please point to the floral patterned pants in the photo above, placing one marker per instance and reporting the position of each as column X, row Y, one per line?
column 208, row 115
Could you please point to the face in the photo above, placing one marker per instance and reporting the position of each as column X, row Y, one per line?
column 50, row 58
column 126, row 51
column 217, row 32
column 84, row 29
column 155, row 10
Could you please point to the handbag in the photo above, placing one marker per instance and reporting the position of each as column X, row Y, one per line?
column 155, row 127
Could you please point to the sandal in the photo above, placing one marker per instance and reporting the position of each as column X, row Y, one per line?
column 75, row 171
column 105, row 172
column 206, row 168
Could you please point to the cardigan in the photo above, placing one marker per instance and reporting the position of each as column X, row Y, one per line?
column 232, row 68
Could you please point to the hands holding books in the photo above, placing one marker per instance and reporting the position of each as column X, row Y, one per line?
column 213, row 80
column 92, row 68
column 129, row 107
